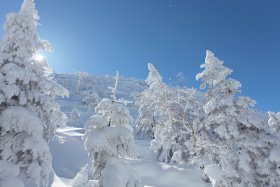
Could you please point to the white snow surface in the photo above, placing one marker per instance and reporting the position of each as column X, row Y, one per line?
column 68, row 158
column 71, row 156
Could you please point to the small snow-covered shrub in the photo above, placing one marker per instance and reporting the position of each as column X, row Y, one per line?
column 104, row 143
column 108, row 140
column 116, row 112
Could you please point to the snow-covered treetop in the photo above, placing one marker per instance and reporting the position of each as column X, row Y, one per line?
column 21, row 41
column 24, row 71
column 28, row 8
column 114, row 89
column 214, row 71
column 116, row 113
column 154, row 76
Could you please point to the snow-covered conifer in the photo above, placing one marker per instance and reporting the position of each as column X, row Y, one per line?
column 167, row 114
column 24, row 81
column 26, row 88
column 116, row 112
column 220, row 121
column 174, row 135
column 232, row 135
column 147, row 119
column 108, row 141
column 154, row 78
column 22, row 144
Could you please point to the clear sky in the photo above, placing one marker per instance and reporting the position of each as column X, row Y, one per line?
column 101, row 36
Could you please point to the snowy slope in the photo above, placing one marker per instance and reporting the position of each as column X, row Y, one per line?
column 78, row 84
column 69, row 157
column 72, row 157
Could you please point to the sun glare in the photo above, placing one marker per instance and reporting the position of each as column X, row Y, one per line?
column 39, row 57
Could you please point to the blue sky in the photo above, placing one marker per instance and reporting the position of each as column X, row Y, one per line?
column 101, row 36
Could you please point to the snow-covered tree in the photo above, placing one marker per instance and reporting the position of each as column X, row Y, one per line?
column 232, row 135
column 174, row 135
column 109, row 140
column 274, row 120
column 22, row 144
column 154, row 78
column 220, row 121
column 24, row 79
column 147, row 119
column 116, row 112
column 81, row 179
column 29, row 113
column 167, row 114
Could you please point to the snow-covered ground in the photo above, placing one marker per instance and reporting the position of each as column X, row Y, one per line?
column 69, row 157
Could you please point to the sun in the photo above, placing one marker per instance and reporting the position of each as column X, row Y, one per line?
column 38, row 57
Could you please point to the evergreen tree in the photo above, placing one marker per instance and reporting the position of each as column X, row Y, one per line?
column 109, row 140
column 174, row 135
column 147, row 119
column 233, row 136
column 167, row 114
column 29, row 115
